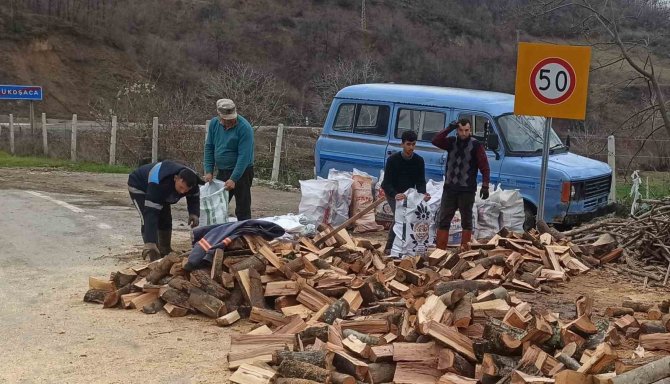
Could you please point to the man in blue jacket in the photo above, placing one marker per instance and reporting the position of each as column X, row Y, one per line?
column 153, row 188
column 230, row 148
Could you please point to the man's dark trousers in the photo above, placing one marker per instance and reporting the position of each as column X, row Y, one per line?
column 164, row 218
column 242, row 192
column 391, row 237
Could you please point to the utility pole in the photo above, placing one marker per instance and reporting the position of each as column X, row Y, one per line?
column 364, row 22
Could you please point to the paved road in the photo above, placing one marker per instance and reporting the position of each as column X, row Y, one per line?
column 49, row 244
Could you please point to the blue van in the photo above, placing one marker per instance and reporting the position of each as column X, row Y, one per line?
column 365, row 123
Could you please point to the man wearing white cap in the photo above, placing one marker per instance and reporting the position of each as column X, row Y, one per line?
column 230, row 148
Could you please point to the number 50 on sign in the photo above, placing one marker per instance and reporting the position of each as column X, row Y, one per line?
column 552, row 80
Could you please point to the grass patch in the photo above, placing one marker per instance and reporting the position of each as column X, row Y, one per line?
column 9, row 161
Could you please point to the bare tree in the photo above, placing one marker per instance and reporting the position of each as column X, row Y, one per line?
column 258, row 95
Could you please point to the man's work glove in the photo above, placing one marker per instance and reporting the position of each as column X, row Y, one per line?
column 484, row 193
column 193, row 221
column 151, row 250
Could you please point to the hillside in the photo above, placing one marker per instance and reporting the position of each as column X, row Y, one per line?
column 294, row 54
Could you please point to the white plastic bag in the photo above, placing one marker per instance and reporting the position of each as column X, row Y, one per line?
column 512, row 213
column 363, row 197
column 343, row 197
column 413, row 220
column 213, row 203
column 317, row 200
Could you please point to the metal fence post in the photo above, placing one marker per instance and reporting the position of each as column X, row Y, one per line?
column 154, row 141
column 11, row 133
column 277, row 158
column 73, row 139
column 611, row 160
column 112, row 143
column 45, row 143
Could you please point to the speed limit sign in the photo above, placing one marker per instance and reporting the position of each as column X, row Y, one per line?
column 552, row 80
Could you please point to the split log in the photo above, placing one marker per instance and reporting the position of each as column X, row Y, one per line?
column 652, row 326
column 450, row 337
column 228, row 319
column 568, row 361
column 618, row 311
column 112, row 298
column 452, row 378
column 319, row 331
column 357, row 347
column 499, row 293
column 95, row 296
column 302, row 370
column 503, row 339
column 176, row 297
column 654, row 313
column 584, row 306
column 268, row 316
column 175, row 311
column 284, row 380
column 451, row 298
column 208, row 305
column 153, row 307
column 381, row 353
column 496, row 366
column 571, row 377
column 337, row 310
column 341, row 378
column 491, row 260
column 601, row 359
column 364, row 337
column 316, row 358
column 162, row 267
column 624, row 365
column 200, row 278
column 347, row 364
column 462, row 315
column 252, row 374
column 656, row 342
column 252, row 288
column 647, row 374
column 416, row 373
column 381, row 372
column 217, row 266
column 123, row 277
column 451, row 361
column 466, row 285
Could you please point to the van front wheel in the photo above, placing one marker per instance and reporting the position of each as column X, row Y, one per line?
column 530, row 212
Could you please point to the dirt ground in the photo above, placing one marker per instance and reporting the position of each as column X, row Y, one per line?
column 80, row 225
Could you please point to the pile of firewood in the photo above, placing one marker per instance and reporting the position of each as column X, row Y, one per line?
column 641, row 242
column 335, row 310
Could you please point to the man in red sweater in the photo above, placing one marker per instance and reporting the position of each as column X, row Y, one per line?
column 466, row 156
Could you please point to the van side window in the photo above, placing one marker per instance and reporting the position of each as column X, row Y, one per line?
column 344, row 120
column 370, row 119
column 426, row 124
column 480, row 125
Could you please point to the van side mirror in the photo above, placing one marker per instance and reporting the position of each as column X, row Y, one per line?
column 493, row 144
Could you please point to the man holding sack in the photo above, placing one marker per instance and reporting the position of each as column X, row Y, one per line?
column 466, row 156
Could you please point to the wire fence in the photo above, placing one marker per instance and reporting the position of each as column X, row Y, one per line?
column 631, row 153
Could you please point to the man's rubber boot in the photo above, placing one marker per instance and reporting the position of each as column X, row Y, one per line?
column 466, row 236
column 442, row 239
column 165, row 242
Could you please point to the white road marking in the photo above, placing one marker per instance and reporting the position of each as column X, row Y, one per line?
column 61, row 203
column 90, row 217
column 104, row 226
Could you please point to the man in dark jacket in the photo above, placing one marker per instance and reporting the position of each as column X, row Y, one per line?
column 404, row 170
column 466, row 156
column 153, row 188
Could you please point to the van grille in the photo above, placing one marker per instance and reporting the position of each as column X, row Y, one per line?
column 595, row 191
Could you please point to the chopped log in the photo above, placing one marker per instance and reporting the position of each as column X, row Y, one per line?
column 175, row 311
column 451, row 361
column 450, row 337
column 503, row 339
column 636, row 306
column 337, row 310
column 624, row 365
column 582, row 326
column 584, row 306
column 302, row 370
column 466, row 285
column 497, row 366
column 112, row 298
column 381, row 353
column 95, row 296
column 299, row 309
column 123, row 277
column 227, row 280
column 656, row 342
column 341, row 378
column 652, row 326
column 497, row 293
column 491, row 260
column 414, row 351
column 100, row 284
column 264, row 249
column 318, row 331
column 208, row 305
column 248, row 262
column 515, row 319
column 625, row 322
column 313, row 299
column 281, row 288
column 317, row 358
column 432, row 309
column 568, row 361
column 161, row 268
column 654, row 313
column 381, row 372
column 349, row 365
column 437, row 256
column 201, row 279
column 646, row 374
column 452, row 378
column 354, row 299
column 618, row 311
column 462, row 315
column 600, row 360
column 176, row 297
column 295, row 325
column 283, row 380
column 452, row 298
column 473, row 273
column 282, row 302
column 612, row 256
column 217, row 266
column 493, row 308
column 228, row 319
column 140, row 301
column 153, row 307
column 268, row 316
column 571, row 377
column 364, row 337
column 251, row 374
column 367, row 325
column 357, row 347
column 252, row 288
column 416, row 373
column 666, row 321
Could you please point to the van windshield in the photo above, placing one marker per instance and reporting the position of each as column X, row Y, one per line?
column 525, row 133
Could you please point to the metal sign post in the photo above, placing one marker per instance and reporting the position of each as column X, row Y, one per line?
column 551, row 81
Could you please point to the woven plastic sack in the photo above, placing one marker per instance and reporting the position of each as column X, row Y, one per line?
column 213, row 203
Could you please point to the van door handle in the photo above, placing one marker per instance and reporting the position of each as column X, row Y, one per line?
column 443, row 158
column 389, row 153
